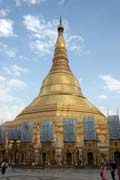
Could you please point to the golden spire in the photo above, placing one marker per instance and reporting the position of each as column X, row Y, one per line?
column 60, row 59
column 60, row 79
column 60, row 27
column 60, row 40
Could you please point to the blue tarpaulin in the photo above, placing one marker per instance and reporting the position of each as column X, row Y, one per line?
column 69, row 130
column 89, row 128
column 47, row 131
column 27, row 132
column 2, row 135
column 114, row 126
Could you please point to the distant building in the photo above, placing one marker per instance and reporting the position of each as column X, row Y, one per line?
column 60, row 126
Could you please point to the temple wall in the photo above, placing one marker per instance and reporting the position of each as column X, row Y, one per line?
column 58, row 151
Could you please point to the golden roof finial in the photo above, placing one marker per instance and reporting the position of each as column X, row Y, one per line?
column 60, row 59
column 60, row 40
column 60, row 27
column 60, row 20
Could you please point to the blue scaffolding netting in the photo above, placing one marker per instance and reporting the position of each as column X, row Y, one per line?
column 2, row 135
column 14, row 133
column 89, row 128
column 27, row 132
column 47, row 131
column 69, row 130
column 114, row 126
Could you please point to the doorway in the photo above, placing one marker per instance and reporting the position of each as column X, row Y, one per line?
column 69, row 158
column 117, row 157
column 44, row 157
column 90, row 158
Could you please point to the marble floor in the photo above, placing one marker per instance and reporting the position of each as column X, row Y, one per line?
column 53, row 174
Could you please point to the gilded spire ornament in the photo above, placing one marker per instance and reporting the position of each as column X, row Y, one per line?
column 60, row 59
column 60, row 40
column 60, row 79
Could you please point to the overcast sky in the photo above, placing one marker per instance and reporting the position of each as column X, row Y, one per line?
column 28, row 30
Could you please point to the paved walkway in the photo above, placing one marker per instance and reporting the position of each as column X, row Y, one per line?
column 53, row 174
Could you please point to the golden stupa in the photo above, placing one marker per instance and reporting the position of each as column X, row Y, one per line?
column 60, row 98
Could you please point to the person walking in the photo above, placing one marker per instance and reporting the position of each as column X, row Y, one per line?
column 113, row 167
column 118, row 171
column 4, row 165
column 103, row 173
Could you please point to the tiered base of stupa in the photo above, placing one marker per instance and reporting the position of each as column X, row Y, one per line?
column 81, row 152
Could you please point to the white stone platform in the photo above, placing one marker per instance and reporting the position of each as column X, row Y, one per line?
column 53, row 174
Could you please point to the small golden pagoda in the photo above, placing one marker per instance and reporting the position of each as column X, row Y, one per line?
column 61, row 102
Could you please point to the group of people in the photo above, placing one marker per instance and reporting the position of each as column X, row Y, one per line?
column 113, row 167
